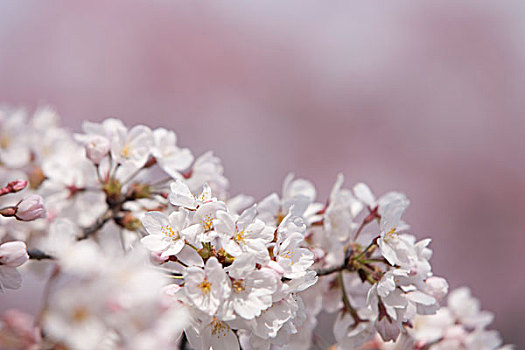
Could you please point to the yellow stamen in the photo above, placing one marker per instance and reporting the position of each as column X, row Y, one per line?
column 207, row 222
column 240, row 236
column 238, row 286
column 126, row 151
column 219, row 329
column 205, row 286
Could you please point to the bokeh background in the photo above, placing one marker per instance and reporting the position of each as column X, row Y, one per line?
column 424, row 97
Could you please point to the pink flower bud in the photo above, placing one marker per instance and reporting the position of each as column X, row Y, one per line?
column 155, row 258
column 97, row 148
column 30, row 208
column 13, row 254
column 18, row 185
column 437, row 287
column 13, row 186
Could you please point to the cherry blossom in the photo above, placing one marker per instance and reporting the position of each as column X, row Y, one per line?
column 144, row 247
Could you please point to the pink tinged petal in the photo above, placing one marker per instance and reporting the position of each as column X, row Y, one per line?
column 10, row 278
column 31, row 208
column 13, row 254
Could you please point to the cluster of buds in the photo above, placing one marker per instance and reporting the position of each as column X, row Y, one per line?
column 148, row 250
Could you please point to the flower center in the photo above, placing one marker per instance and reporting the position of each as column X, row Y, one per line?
column 205, row 286
column 218, row 329
column 207, row 222
column 240, row 236
column 391, row 234
column 126, row 152
column 238, row 286
column 169, row 232
column 80, row 314
column 288, row 255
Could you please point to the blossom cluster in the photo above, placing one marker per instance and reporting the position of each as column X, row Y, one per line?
column 144, row 247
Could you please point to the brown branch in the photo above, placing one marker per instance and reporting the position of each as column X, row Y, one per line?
column 329, row 270
column 97, row 225
column 37, row 254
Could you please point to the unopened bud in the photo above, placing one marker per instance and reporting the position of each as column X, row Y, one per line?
column 30, row 208
column 13, row 186
column 8, row 211
column 13, row 254
column 156, row 259
column 17, row 185
column 130, row 222
column 97, row 148
column 139, row 191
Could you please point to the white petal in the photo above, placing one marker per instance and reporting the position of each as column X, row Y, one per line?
column 154, row 221
column 155, row 243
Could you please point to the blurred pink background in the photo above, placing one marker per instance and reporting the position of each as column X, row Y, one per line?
column 425, row 97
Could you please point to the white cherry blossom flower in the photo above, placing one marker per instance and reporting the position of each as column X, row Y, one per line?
column 73, row 318
column 97, row 148
column 208, row 169
column 244, row 234
column 213, row 334
column 181, row 195
column 207, row 288
column 252, row 289
column 12, row 255
column 288, row 252
column 202, row 227
column 164, row 232
column 171, row 159
column 342, row 208
column 133, row 146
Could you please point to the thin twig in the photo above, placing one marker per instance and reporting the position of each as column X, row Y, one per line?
column 346, row 301
column 329, row 270
column 97, row 225
column 37, row 254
